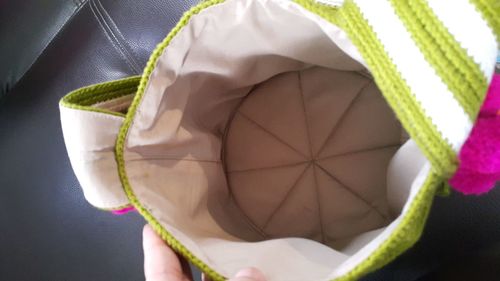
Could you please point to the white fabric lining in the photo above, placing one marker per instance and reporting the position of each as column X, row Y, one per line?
column 417, row 183
column 280, row 148
column 120, row 104
column 90, row 141
column 176, row 191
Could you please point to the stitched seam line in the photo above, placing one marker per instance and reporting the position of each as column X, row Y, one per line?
column 354, row 193
column 388, row 79
column 404, row 236
column 120, row 145
column 364, row 150
column 110, row 35
column 116, row 33
column 342, row 117
column 282, row 201
column 311, row 153
column 320, row 213
column 404, row 105
column 397, row 92
column 268, row 167
column 271, row 134
column 257, row 229
column 173, row 159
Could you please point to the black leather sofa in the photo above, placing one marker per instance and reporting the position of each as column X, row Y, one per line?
column 49, row 232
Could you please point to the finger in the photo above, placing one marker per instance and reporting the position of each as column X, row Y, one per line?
column 160, row 262
column 249, row 274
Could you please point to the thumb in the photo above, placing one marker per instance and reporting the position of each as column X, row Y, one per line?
column 248, row 274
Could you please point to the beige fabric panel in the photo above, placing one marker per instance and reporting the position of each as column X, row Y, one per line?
column 90, row 141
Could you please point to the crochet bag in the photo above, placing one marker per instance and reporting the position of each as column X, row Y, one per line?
column 304, row 138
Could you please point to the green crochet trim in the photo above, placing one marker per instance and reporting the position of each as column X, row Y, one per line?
column 451, row 62
column 396, row 91
column 413, row 119
column 84, row 98
column 323, row 10
column 444, row 190
column 120, row 145
column 406, row 234
column 490, row 9
column 412, row 223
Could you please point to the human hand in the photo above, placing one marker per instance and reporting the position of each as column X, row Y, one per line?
column 163, row 264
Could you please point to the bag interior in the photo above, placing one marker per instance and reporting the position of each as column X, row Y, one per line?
column 262, row 140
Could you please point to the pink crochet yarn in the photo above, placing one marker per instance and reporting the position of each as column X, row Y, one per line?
column 123, row 211
column 479, row 157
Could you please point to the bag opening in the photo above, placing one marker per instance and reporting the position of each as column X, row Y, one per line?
column 250, row 101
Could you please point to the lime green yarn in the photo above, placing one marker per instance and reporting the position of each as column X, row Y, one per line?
column 396, row 91
column 490, row 9
column 451, row 62
column 444, row 190
column 325, row 11
column 120, row 145
column 406, row 234
column 84, row 98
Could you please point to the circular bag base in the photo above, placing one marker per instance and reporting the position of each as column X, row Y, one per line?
column 306, row 155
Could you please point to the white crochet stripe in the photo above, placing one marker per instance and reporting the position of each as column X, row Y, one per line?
column 470, row 30
column 435, row 99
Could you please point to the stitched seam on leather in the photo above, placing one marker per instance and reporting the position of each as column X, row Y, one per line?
column 106, row 29
column 78, row 3
column 110, row 35
column 115, row 31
